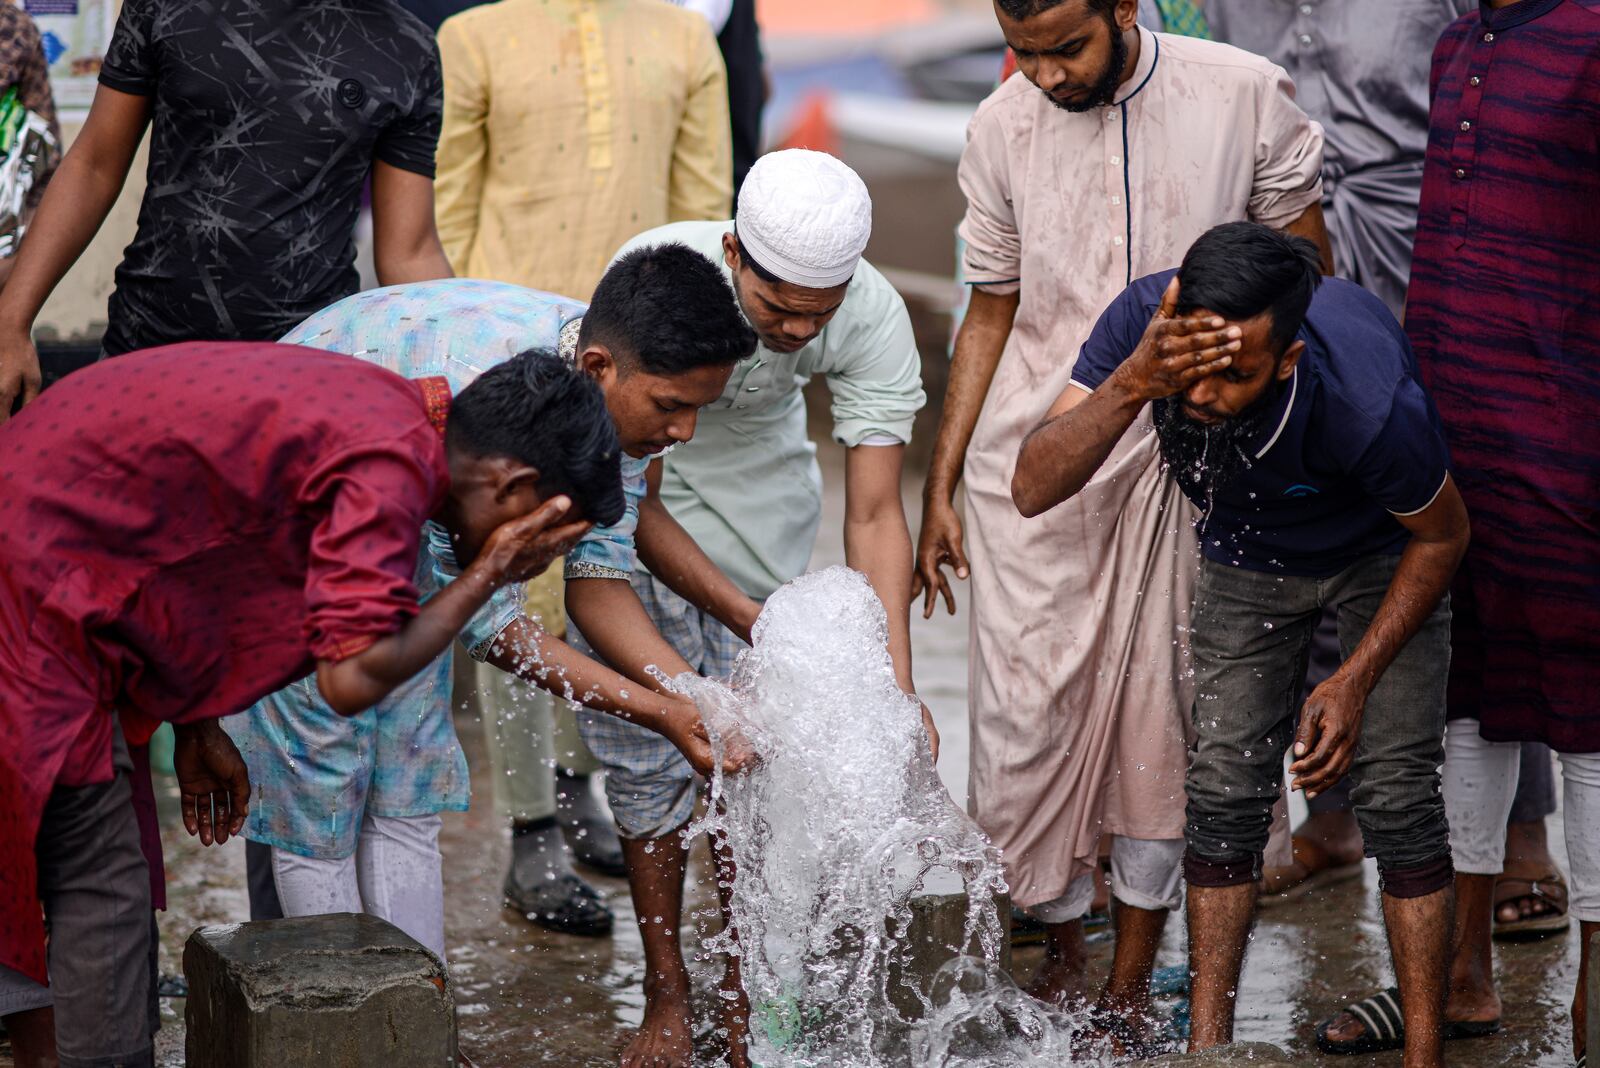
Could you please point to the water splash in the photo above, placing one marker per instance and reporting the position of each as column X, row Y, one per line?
column 843, row 822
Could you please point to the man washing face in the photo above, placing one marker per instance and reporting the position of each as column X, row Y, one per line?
column 1292, row 415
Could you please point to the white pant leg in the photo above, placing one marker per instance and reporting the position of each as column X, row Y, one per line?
column 1580, row 803
column 1147, row 873
column 401, row 875
column 1480, row 782
column 1072, row 905
column 308, row 886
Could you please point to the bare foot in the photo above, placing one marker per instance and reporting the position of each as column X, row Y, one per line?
column 664, row 1039
column 1326, row 839
column 1527, row 857
column 1058, row 982
column 733, row 1014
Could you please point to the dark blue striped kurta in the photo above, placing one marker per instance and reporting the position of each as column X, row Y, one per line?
column 1504, row 314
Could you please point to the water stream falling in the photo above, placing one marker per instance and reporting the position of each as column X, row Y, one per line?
column 842, row 823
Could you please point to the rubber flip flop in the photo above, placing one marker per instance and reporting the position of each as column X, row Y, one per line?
column 1321, row 873
column 1549, row 889
column 1385, row 1029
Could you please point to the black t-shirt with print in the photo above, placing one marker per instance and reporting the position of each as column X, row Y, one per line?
column 266, row 118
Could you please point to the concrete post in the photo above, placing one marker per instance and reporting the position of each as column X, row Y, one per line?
column 938, row 925
column 340, row 991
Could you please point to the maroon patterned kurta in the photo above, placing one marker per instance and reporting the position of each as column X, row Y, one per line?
column 183, row 531
column 1504, row 313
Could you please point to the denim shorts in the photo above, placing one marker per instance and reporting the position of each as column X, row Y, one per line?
column 1251, row 638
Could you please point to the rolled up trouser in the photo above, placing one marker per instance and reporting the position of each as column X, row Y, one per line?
column 1145, row 873
column 1251, row 636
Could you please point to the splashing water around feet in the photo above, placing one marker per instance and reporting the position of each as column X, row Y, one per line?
column 843, row 822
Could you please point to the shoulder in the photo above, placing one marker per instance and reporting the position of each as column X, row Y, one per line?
column 1215, row 61
column 871, row 296
column 1013, row 100
column 704, row 236
column 1364, row 355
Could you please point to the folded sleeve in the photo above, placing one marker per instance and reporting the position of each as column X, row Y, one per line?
column 363, row 552
column 131, row 64
column 1114, row 337
column 498, row 613
column 410, row 141
column 608, row 552
column 1404, row 465
column 876, row 380
column 1288, row 154
column 993, row 248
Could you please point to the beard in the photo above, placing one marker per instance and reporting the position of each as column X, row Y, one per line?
column 1205, row 458
column 1104, row 90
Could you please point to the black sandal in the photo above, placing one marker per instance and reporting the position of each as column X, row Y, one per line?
column 1384, row 1026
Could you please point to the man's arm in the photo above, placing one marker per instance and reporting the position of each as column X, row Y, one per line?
column 516, row 551
column 1063, row 452
column 877, row 542
column 979, row 343
column 75, row 203
column 405, row 244
column 529, row 652
column 701, row 182
column 463, row 142
column 1312, row 226
column 674, row 557
column 612, row 620
column 1330, row 724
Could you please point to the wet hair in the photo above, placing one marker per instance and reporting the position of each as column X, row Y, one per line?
column 667, row 309
column 538, row 411
column 1017, row 10
column 1241, row 269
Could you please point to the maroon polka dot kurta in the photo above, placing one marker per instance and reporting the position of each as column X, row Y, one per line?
column 182, row 531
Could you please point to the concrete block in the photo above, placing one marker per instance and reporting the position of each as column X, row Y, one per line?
column 339, row 991
column 1233, row 1055
column 938, row 924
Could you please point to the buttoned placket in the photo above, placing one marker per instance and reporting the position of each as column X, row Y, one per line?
column 1116, row 172
column 1464, row 147
column 596, row 86
column 1309, row 68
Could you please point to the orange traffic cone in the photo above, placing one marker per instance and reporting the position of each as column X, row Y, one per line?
column 813, row 126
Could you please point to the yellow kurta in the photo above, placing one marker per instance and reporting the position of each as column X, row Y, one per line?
column 569, row 127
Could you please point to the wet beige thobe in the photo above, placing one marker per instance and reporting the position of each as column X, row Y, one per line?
column 1079, row 660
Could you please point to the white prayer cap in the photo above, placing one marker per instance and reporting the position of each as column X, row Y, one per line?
column 805, row 217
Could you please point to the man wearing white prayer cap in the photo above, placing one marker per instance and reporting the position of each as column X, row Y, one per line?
column 731, row 515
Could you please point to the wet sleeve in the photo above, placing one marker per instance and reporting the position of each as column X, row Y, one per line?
column 608, row 552
column 993, row 256
column 363, row 553
column 1288, row 154
column 410, row 141
column 463, row 143
column 876, row 382
column 502, row 609
column 1404, row 465
column 1114, row 337
column 131, row 64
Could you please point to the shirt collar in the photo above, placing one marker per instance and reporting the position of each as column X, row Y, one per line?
column 1149, row 54
column 1506, row 17
column 1288, row 409
column 436, row 399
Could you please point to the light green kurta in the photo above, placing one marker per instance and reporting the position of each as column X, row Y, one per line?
column 748, row 488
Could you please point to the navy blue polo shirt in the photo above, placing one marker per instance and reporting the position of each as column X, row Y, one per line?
column 1352, row 442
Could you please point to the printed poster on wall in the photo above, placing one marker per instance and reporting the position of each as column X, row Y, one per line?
column 76, row 34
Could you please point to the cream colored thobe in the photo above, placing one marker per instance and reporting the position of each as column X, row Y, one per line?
column 1079, row 666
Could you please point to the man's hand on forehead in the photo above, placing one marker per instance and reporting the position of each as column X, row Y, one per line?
column 1175, row 352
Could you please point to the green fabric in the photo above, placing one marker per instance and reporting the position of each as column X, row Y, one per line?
column 1184, row 17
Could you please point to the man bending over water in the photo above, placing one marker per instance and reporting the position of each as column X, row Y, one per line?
column 1294, row 418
